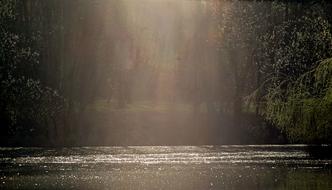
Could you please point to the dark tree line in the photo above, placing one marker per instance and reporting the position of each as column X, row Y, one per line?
column 267, row 59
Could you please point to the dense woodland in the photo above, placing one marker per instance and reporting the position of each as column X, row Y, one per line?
column 254, row 71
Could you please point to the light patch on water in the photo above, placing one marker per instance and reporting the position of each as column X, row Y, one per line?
column 234, row 154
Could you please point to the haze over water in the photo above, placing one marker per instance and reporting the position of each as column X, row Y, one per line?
column 150, row 94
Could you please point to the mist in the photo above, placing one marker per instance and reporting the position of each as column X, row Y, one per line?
column 148, row 72
column 167, row 79
column 165, row 94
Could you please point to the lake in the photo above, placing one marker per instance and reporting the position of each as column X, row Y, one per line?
column 166, row 167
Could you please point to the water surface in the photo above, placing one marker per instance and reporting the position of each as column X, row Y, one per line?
column 165, row 167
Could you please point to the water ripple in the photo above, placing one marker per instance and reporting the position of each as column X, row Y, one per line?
column 250, row 154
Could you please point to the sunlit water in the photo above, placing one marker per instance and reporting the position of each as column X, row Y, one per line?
column 164, row 167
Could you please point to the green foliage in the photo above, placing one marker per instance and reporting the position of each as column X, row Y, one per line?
column 295, row 45
column 294, row 91
column 303, row 109
column 59, row 57
column 297, row 91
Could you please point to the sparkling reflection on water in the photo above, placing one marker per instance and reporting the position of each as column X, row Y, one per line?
column 164, row 167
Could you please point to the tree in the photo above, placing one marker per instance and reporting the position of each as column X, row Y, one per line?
column 27, row 105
